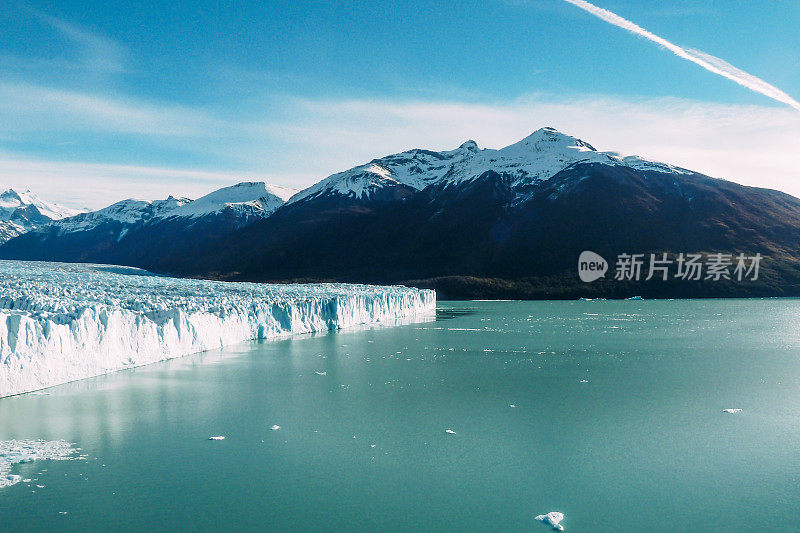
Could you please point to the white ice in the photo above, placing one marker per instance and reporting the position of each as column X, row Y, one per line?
column 14, row 452
column 552, row 518
column 732, row 411
column 60, row 322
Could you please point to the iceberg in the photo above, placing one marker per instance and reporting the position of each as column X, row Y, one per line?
column 61, row 322
column 552, row 518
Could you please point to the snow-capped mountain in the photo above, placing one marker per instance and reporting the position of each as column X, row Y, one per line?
column 535, row 158
column 510, row 223
column 125, row 212
column 471, row 222
column 21, row 212
column 131, row 230
column 245, row 200
column 250, row 198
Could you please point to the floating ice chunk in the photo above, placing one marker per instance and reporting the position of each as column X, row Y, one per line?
column 635, row 298
column 321, row 373
column 584, row 381
column 552, row 518
column 732, row 411
column 449, row 431
column 511, row 405
column 13, row 452
column 275, row 427
column 217, row 437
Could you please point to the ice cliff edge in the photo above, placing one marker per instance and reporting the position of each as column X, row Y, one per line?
column 61, row 322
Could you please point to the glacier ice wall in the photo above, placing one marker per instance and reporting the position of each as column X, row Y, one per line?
column 61, row 322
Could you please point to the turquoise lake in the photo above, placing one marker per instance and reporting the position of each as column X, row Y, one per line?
column 617, row 422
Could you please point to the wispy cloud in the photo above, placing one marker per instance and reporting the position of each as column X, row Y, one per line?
column 707, row 61
column 80, row 50
column 94, row 51
column 95, row 185
column 27, row 107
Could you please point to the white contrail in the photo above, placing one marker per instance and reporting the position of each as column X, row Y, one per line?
column 708, row 62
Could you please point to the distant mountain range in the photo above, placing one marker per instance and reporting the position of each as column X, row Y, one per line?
column 20, row 212
column 138, row 232
column 469, row 222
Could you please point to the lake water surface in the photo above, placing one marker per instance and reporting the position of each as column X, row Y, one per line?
column 617, row 422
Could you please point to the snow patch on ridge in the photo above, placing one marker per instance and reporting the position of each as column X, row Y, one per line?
column 60, row 322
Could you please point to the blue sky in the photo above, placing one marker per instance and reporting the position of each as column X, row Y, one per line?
column 144, row 100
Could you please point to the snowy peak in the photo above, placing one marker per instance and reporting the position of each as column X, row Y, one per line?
column 536, row 158
column 21, row 212
column 10, row 200
column 10, row 197
column 549, row 139
column 128, row 211
column 469, row 147
column 247, row 201
column 255, row 197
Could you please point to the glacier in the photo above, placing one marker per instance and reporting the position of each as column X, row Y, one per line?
column 61, row 322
